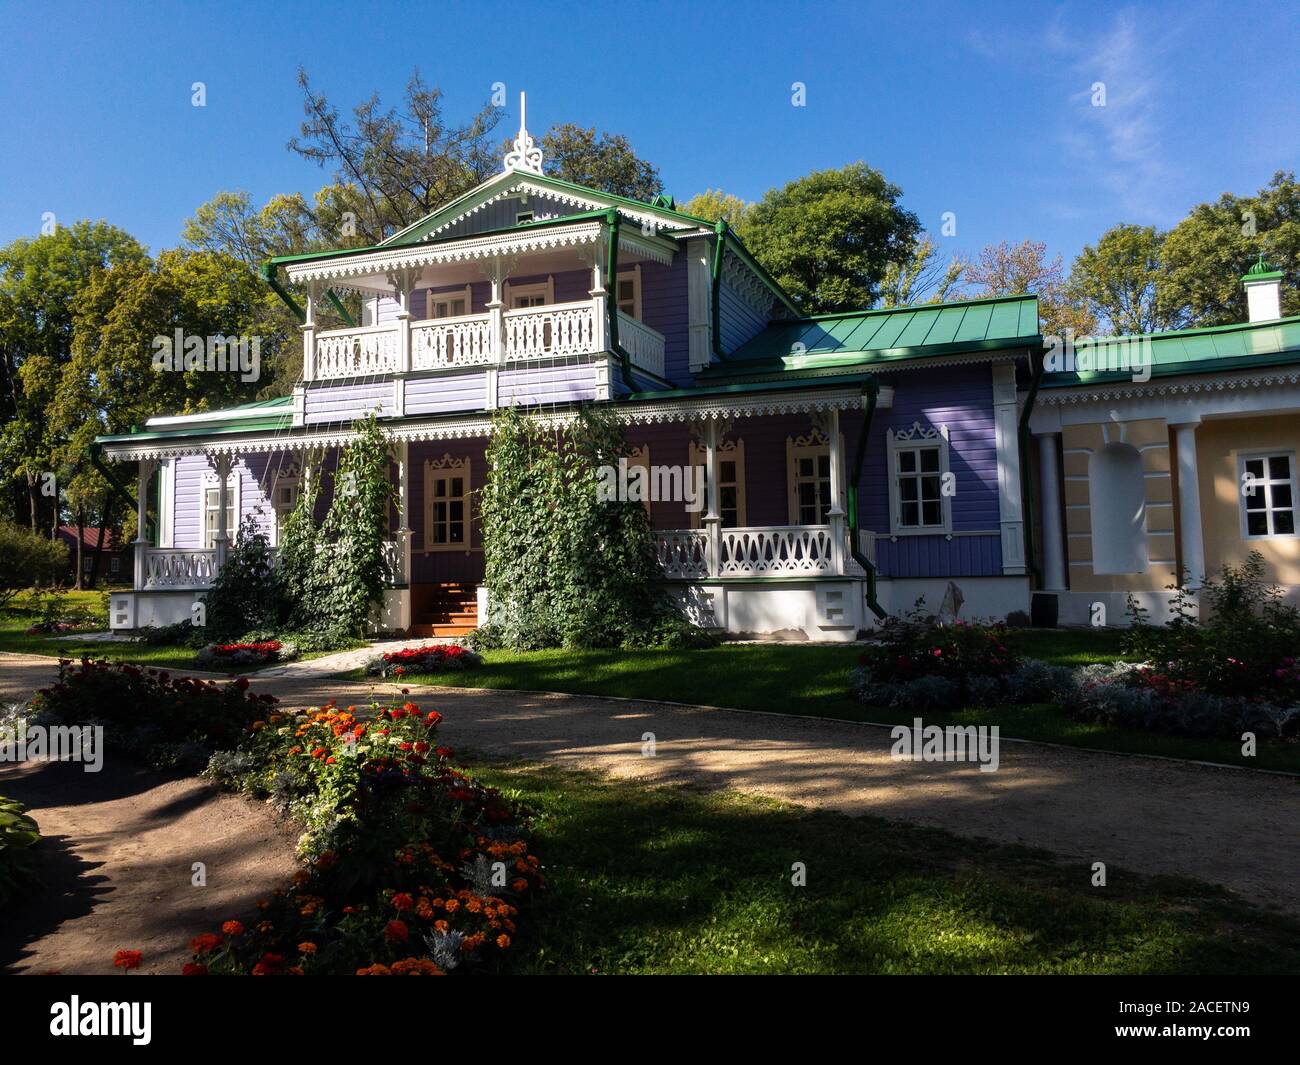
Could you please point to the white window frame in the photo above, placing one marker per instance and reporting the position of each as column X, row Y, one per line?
column 446, row 468
column 633, row 275
column 290, row 480
column 1263, row 485
column 918, row 437
column 114, row 565
column 545, row 289
column 209, row 483
column 728, row 451
column 431, row 298
column 520, row 219
column 813, row 446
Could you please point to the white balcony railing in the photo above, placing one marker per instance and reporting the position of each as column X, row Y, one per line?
column 644, row 346
column 177, row 568
column 443, row 342
column 357, row 352
column 543, row 332
column 557, row 330
column 781, row 550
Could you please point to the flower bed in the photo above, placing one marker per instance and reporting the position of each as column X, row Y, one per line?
column 411, row 867
column 18, row 835
column 259, row 653
column 166, row 721
column 432, row 658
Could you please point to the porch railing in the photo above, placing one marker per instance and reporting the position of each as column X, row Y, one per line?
column 778, row 550
column 178, row 569
column 645, row 346
column 557, row 330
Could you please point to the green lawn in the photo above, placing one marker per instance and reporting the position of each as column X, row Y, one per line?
column 813, row 680
column 671, row 880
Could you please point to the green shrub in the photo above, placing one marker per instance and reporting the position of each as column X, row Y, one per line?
column 28, row 560
column 18, row 835
column 243, row 595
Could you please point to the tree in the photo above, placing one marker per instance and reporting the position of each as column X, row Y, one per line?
column 829, row 237
column 922, row 277
column 714, row 204
column 1006, row 269
column 42, row 282
column 1119, row 281
column 606, row 162
column 27, row 560
column 1206, row 253
column 393, row 166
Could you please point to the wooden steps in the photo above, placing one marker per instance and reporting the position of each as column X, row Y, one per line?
column 448, row 609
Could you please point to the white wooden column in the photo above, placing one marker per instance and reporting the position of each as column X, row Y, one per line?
column 496, row 272
column 713, row 510
column 221, row 538
column 141, row 542
column 1006, row 427
column 599, row 295
column 309, row 332
column 1050, row 505
column 836, row 514
column 404, row 530
column 403, row 283
column 1192, row 542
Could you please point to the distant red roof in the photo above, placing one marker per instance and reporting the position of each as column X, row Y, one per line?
column 90, row 537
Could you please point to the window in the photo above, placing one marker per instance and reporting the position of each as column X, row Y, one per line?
column 284, row 497
column 115, row 565
column 87, row 563
column 450, row 304
column 533, row 295
column 731, row 483
column 211, row 513
column 446, row 504
column 523, row 216
column 1268, row 491
column 918, row 467
column 812, row 486
column 627, row 292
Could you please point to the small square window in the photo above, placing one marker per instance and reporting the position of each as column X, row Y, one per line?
column 1268, row 494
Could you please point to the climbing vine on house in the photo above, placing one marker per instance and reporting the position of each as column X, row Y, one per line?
column 562, row 565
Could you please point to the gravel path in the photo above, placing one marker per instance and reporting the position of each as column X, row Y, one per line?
column 125, row 843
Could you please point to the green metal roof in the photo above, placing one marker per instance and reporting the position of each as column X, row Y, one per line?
column 1241, row 346
column 897, row 333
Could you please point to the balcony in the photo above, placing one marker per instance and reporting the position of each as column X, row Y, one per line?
column 480, row 340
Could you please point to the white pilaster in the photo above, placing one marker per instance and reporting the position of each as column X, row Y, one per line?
column 404, row 531
column 712, row 520
column 309, row 333
column 699, row 287
column 1192, row 545
column 496, row 309
column 221, row 538
column 1050, row 505
column 143, row 474
column 836, row 513
column 1006, row 422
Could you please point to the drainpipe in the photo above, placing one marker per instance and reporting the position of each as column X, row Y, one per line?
column 719, row 247
column 269, row 274
column 870, row 391
column 611, row 298
column 1026, row 482
column 116, row 486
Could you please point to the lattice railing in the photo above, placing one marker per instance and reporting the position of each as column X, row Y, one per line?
column 442, row 342
column 557, row 330
column 359, row 352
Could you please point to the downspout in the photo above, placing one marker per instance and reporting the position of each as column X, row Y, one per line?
column 870, row 391
column 715, row 296
column 116, row 487
column 269, row 274
column 611, row 298
column 1026, row 482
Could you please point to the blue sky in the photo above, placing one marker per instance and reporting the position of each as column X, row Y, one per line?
column 983, row 110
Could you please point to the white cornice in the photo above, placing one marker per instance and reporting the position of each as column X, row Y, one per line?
column 1182, row 386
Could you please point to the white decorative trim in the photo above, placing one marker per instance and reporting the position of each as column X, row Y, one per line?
column 1177, row 387
column 746, row 284
column 525, row 155
column 447, row 466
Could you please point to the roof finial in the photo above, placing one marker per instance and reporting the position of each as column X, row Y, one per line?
column 525, row 155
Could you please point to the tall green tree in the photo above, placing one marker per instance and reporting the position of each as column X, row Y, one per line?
column 715, row 205
column 42, row 283
column 1206, row 253
column 923, row 277
column 602, row 161
column 1119, row 281
column 829, row 237
column 391, row 166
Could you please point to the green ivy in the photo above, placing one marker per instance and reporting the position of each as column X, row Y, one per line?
column 563, row 567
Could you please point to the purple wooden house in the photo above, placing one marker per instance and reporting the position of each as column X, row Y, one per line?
column 854, row 462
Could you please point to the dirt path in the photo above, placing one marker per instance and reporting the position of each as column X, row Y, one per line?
column 1230, row 827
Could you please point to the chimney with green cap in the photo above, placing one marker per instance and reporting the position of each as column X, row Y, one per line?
column 1263, row 287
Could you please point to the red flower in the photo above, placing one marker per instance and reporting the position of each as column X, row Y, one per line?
column 127, row 959
column 233, row 928
column 396, row 932
column 402, row 901
column 204, row 943
column 194, row 969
